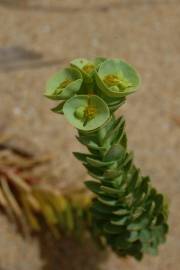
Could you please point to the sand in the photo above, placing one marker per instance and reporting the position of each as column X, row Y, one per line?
column 37, row 38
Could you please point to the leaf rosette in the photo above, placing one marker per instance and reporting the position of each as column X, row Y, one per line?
column 64, row 84
column 86, row 113
column 115, row 78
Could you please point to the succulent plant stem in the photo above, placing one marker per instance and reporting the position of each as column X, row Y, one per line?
column 128, row 213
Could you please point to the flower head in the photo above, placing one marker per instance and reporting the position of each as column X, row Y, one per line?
column 87, row 67
column 116, row 78
column 86, row 112
column 64, row 84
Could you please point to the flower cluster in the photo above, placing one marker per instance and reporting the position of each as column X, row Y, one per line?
column 90, row 90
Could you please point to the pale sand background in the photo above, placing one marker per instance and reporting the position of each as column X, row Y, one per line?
column 144, row 32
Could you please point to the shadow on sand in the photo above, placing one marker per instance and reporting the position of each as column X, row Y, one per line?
column 67, row 253
column 16, row 58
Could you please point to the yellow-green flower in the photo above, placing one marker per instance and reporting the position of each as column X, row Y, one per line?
column 116, row 78
column 64, row 84
column 86, row 112
column 87, row 67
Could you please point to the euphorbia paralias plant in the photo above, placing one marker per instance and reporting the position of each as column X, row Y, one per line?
column 128, row 214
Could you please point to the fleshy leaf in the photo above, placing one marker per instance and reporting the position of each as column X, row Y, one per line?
column 58, row 108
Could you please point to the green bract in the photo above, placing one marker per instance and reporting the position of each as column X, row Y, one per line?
column 86, row 113
column 116, row 78
column 87, row 67
column 64, row 84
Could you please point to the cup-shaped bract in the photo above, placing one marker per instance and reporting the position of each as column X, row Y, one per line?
column 64, row 84
column 115, row 78
column 87, row 67
column 86, row 112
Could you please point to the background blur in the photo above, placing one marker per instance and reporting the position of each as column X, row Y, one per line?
column 37, row 38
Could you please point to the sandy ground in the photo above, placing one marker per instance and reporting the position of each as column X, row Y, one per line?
column 38, row 37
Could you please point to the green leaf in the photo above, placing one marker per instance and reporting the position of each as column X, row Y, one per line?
column 81, row 156
column 118, row 182
column 124, row 141
column 119, row 221
column 110, row 190
column 159, row 202
column 116, row 152
column 145, row 235
column 134, row 236
column 114, row 135
column 137, row 226
column 112, row 173
column 134, row 180
column 121, row 212
column 98, row 163
column 96, row 171
column 91, row 145
column 112, row 229
column 138, row 212
column 127, row 159
column 102, row 208
column 93, row 186
column 58, row 108
column 107, row 201
column 122, row 242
